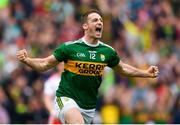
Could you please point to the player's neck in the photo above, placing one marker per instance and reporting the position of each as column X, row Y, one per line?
column 91, row 40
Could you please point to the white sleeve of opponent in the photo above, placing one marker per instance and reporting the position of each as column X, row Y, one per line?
column 51, row 85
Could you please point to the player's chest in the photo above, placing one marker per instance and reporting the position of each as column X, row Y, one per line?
column 91, row 55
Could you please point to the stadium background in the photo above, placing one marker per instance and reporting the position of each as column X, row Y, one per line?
column 144, row 32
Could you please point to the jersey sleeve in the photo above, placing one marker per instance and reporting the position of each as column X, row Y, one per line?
column 114, row 59
column 48, row 90
column 60, row 53
column 51, row 85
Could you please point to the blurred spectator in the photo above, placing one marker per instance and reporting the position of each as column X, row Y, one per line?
column 3, row 111
column 61, row 9
column 140, row 112
column 69, row 30
column 110, row 112
column 176, row 111
column 4, row 116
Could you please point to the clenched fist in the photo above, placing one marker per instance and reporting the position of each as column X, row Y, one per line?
column 22, row 55
column 153, row 71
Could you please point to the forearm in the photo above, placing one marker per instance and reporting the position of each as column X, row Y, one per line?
column 38, row 64
column 133, row 72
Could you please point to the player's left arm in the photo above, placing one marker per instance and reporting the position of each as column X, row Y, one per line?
column 127, row 70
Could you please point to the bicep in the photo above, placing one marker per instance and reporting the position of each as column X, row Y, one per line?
column 119, row 67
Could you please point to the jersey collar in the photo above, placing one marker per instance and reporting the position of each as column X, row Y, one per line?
column 91, row 45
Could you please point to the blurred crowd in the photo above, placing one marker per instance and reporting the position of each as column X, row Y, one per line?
column 144, row 32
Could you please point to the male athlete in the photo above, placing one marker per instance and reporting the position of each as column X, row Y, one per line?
column 84, row 61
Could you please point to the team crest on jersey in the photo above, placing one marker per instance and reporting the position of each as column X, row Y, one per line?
column 102, row 57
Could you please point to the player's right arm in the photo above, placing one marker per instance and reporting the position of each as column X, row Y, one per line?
column 38, row 64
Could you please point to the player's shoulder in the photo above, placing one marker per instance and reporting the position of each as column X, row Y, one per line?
column 106, row 46
column 73, row 42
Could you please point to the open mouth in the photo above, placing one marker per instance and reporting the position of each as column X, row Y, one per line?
column 98, row 29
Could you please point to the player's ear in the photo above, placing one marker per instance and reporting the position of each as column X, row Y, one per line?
column 85, row 26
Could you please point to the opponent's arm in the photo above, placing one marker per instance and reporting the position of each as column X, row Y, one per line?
column 48, row 103
column 127, row 70
column 39, row 64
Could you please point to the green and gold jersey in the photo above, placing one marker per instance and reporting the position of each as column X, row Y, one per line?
column 84, row 65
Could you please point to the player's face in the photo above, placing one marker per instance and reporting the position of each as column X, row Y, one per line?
column 94, row 25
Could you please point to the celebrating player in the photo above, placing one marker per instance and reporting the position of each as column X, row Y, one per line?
column 84, row 60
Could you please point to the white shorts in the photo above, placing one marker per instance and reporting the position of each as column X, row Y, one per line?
column 63, row 104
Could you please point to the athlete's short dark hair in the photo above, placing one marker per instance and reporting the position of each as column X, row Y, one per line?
column 86, row 14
